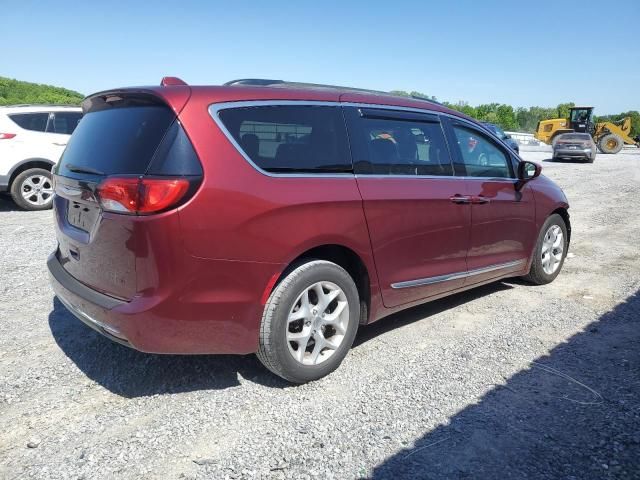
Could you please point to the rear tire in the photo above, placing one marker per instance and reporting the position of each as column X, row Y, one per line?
column 550, row 251
column 309, row 322
column 610, row 143
column 33, row 189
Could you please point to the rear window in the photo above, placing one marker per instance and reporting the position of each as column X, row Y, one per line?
column 291, row 138
column 36, row 122
column 117, row 140
column 575, row 136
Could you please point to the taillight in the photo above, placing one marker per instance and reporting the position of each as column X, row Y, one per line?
column 140, row 195
column 6, row 136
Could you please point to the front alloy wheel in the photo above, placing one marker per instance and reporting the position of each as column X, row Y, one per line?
column 552, row 249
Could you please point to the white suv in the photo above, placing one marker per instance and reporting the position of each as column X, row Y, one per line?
column 32, row 138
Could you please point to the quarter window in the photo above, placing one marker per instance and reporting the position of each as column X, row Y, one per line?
column 388, row 146
column 66, row 122
column 480, row 156
column 36, row 122
column 291, row 139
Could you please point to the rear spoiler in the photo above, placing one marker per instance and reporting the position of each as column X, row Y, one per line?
column 173, row 92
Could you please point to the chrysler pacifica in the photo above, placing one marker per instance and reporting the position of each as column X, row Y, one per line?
column 275, row 218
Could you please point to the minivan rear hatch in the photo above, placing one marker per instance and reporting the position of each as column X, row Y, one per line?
column 128, row 160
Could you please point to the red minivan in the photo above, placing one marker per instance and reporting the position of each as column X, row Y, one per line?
column 274, row 218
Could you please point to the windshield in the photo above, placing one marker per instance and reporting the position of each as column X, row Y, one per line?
column 497, row 130
column 579, row 115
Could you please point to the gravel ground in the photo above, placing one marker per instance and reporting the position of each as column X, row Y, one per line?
column 505, row 381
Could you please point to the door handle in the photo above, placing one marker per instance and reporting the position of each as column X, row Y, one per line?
column 460, row 199
column 479, row 199
column 60, row 144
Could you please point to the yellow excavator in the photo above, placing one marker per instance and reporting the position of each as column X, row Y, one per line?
column 609, row 136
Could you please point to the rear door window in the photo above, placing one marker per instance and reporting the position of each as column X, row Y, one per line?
column 291, row 139
column 36, row 122
column 398, row 143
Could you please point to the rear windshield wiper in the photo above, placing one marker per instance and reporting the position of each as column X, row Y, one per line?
column 79, row 169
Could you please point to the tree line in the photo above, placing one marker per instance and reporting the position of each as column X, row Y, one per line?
column 15, row 92
column 522, row 119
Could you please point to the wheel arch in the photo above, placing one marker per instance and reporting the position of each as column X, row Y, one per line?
column 26, row 165
column 564, row 213
column 345, row 257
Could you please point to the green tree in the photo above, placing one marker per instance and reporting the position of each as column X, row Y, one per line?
column 13, row 92
column 563, row 109
column 507, row 117
column 463, row 107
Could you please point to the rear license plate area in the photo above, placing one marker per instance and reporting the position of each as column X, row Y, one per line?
column 81, row 216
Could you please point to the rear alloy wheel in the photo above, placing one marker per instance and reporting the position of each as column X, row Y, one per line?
column 33, row 189
column 610, row 143
column 309, row 322
column 550, row 251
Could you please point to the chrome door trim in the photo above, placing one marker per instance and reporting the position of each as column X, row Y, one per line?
column 215, row 108
column 456, row 276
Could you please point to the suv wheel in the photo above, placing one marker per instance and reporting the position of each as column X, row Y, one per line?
column 33, row 189
column 309, row 322
column 550, row 251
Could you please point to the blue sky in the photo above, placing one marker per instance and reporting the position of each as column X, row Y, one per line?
column 520, row 53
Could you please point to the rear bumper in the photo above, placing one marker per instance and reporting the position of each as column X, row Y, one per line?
column 580, row 153
column 4, row 182
column 75, row 296
column 220, row 318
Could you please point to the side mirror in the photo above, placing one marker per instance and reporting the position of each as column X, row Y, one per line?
column 507, row 136
column 528, row 170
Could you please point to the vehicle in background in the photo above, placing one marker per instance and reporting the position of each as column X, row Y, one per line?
column 610, row 137
column 275, row 218
column 32, row 138
column 500, row 133
column 574, row 145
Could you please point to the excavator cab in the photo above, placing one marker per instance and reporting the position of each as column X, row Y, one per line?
column 581, row 120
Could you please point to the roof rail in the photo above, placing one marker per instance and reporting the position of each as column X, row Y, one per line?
column 264, row 82
column 426, row 99
column 258, row 82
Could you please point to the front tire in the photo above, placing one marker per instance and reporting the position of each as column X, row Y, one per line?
column 309, row 322
column 610, row 143
column 550, row 251
column 33, row 189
